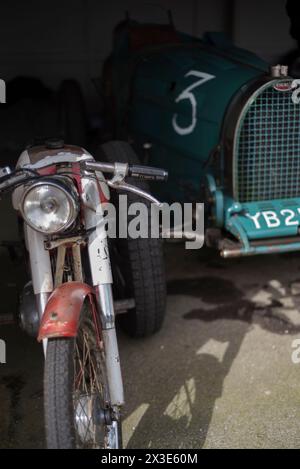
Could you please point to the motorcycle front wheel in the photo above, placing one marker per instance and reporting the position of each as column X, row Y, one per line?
column 78, row 413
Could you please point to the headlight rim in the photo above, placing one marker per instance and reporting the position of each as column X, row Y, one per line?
column 69, row 190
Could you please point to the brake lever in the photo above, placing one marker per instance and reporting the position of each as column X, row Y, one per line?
column 118, row 183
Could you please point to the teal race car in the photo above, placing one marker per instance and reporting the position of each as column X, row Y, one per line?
column 222, row 122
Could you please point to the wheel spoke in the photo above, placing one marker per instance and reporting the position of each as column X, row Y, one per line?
column 90, row 396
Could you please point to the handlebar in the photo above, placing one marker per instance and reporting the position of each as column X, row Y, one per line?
column 136, row 171
column 9, row 180
column 4, row 177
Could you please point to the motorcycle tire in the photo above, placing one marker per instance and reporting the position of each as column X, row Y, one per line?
column 76, row 397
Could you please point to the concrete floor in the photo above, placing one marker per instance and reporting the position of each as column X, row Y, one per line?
column 219, row 374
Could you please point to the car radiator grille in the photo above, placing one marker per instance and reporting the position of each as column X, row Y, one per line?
column 267, row 148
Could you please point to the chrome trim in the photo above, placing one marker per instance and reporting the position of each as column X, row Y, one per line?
column 114, row 374
column 67, row 188
column 41, row 302
column 135, row 190
column 106, row 305
column 113, row 436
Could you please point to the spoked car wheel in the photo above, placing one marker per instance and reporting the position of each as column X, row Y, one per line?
column 78, row 412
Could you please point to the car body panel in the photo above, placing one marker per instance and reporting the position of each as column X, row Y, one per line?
column 179, row 103
column 175, row 97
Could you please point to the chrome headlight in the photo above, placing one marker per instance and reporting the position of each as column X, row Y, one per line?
column 50, row 205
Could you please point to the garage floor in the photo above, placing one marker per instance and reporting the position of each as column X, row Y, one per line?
column 219, row 374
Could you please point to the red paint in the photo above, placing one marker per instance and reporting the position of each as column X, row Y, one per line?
column 75, row 172
column 63, row 309
column 103, row 199
column 48, row 171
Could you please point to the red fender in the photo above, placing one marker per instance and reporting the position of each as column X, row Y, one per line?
column 62, row 312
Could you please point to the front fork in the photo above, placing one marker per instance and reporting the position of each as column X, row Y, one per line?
column 102, row 281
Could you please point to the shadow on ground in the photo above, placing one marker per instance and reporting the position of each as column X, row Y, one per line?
column 179, row 406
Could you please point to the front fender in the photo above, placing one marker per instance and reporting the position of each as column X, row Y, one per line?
column 62, row 312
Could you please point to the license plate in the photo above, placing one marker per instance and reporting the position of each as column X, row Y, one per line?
column 275, row 219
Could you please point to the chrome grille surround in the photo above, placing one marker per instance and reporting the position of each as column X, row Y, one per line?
column 266, row 149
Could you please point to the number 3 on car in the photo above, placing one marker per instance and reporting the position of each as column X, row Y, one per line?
column 187, row 94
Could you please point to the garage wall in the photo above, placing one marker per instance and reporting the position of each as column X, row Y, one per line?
column 63, row 38
column 263, row 27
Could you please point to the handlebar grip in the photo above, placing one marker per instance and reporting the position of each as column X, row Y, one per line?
column 147, row 172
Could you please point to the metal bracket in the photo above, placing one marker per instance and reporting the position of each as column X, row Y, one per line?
column 121, row 170
column 55, row 243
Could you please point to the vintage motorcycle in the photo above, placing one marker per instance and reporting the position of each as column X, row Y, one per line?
column 70, row 303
